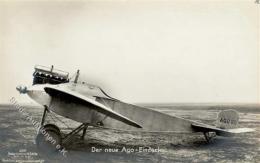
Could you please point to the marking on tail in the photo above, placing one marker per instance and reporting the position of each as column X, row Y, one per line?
column 227, row 119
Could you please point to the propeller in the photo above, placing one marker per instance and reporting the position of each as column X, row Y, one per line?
column 21, row 89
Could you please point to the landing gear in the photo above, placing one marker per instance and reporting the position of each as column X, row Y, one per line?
column 84, row 132
column 50, row 138
column 69, row 136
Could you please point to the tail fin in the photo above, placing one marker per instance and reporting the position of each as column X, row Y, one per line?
column 227, row 119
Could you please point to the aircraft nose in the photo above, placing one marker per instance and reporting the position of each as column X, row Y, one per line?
column 21, row 89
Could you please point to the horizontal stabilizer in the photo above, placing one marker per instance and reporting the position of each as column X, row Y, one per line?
column 241, row 130
column 199, row 127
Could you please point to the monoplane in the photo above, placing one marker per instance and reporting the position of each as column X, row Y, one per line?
column 91, row 106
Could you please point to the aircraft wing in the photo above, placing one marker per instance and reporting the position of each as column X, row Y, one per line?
column 63, row 92
column 200, row 127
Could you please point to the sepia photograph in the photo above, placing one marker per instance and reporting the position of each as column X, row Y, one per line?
column 149, row 81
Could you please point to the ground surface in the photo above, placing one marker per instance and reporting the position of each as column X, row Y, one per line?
column 17, row 136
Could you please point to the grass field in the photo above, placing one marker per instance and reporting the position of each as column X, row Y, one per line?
column 17, row 139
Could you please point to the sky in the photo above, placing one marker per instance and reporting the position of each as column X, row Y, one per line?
column 137, row 51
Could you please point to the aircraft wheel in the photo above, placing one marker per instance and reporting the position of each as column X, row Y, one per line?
column 49, row 139
column 52, row 127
